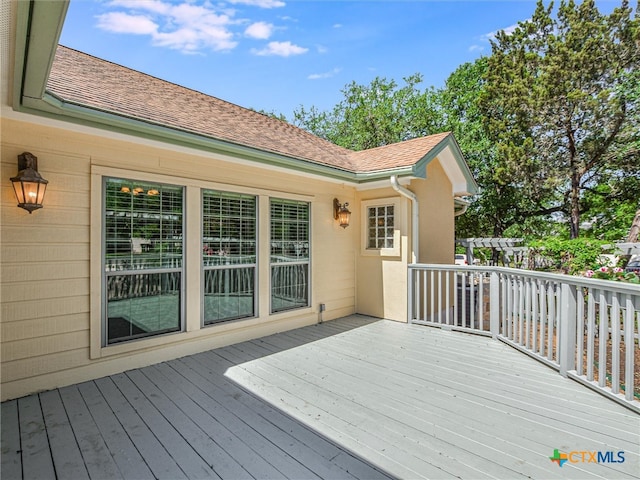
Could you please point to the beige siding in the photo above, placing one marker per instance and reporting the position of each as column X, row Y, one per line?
column 47, row 326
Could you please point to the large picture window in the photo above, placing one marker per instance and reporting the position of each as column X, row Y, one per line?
column 289, row 254
column 228, row 256
column 143, row 259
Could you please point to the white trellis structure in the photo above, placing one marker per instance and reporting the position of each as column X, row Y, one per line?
column 628, row 248
column 512, row 253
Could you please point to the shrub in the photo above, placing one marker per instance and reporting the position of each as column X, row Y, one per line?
column 615, row 273
column 568, row 256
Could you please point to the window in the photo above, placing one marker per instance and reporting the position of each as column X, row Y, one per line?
column 289, row 254
column 228, row 256
column 143, row 259
column 380, row 227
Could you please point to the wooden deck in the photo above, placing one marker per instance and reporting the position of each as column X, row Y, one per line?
column 353, row 398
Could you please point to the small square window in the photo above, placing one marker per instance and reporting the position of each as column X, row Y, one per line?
column 382, row 226
column 384, row 235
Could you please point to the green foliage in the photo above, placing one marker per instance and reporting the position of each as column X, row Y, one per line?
column 612, row 273
column 374, row 115
column 559, row 102
column 549, row 123
column 571, row 256
column 612, row 207
column 273, row 114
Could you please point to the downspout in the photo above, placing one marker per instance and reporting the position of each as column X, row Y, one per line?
column 415, row 217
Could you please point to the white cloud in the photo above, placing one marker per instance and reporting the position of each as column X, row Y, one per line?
column 187, row 27
column 259, row 30
column 260, row 3
column 337, row 25
column 318, row 76
column 155, row 6
column 281, row 49
column 476, row 48
column 508, row 30
column 120, row 22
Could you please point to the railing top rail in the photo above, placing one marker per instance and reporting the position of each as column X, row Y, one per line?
column 619, row 287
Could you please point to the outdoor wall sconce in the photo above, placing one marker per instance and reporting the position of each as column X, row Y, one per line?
column 341, row 213
column 29, row 185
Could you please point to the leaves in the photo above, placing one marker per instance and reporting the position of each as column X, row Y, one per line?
column 561, row 102
column 549, row 123
column 374, row 115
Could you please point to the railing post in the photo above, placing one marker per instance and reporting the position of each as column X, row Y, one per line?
column 494, row 304
column 410, row 299
column 567, row 329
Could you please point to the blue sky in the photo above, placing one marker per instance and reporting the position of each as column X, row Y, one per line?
column 278, row 55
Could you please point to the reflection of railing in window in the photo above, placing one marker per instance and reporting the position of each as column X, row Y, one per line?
column 127, row 286
column 229, row 281
column 142, row 262
column 138, row 276
column 286, row 251
column 289, row 285
column 223, row 260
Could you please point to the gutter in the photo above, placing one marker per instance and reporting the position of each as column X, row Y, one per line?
column 415, row 217
column 463, row 204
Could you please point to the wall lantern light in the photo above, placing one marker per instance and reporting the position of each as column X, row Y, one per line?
column 341, row 213
column 28, row 184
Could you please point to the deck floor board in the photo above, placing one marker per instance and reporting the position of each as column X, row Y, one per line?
column 356, row 398
column 68, row 461
column 11, row 451
column 36, row 455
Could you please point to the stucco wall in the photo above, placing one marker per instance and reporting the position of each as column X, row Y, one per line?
column 50, row 260
column 382, row 280
column 437, row 223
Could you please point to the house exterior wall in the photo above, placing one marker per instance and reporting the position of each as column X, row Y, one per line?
column 382, row 279
column 50, row 280
column 437, row 221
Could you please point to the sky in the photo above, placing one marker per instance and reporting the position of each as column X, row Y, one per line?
column 281, row 55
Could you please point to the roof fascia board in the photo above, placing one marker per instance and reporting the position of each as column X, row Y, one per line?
column 420, row 168
column 20, row 48
column 38, row 29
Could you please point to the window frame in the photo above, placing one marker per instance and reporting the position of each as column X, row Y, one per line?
column 254, row 265
column 104, row 274
column 398, row 226
column 307, row 262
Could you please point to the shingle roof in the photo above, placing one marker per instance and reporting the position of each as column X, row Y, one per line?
column 82, row 79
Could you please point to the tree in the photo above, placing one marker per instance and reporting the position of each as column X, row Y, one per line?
column 374, row 115
column 559, row 98
column 495, row 208
column 634, row 231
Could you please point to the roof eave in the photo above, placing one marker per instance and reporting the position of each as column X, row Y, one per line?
column 38, row 28
column 469, row 186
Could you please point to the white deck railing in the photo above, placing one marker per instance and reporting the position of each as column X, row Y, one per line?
column 586, row 329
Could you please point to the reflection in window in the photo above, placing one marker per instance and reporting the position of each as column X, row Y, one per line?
column 228, row 255
column 380, row 227
column 289, row 254
column 143, row 260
